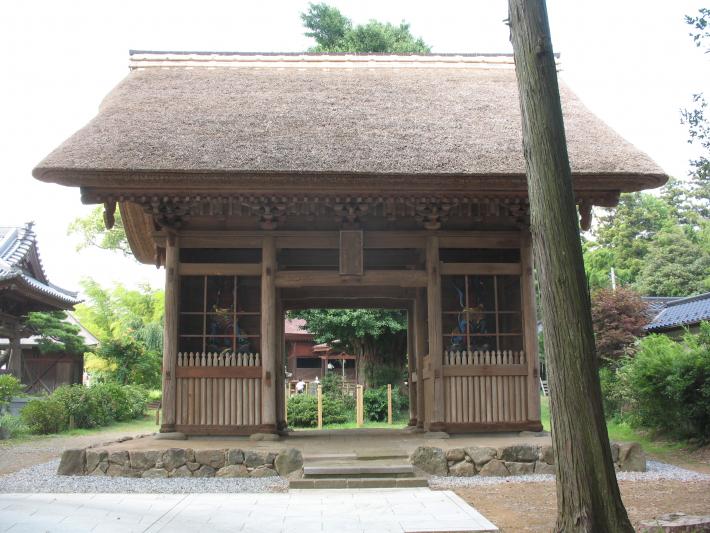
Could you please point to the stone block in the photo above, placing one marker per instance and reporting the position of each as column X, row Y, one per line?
column 204, row 471
column 263, row 471
column 631, row 457
column 181, row 471
column 455, row 454
column 519, row 453
column 253, row 458
column 72, row 463
column 233, row 471
column 145, row 460
column 480, row 455
column 155, row 473
column 547, row 455
column 193, row 466
column 520, row 469
column 175, row 457
column 430, row 460
column 462, row 469
column 544, row 468
column 614, row 451
column 234, row 456
column 263, row 437
column 94, row 457
column 119, row 458
column 676, row 523
column 213, row 458
column 122, row 471
column 494, row 467
column 288, row 461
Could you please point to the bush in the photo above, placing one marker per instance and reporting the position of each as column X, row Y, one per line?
column 669, row 384
column 79, row 408
column 12, row 426
column 619, row 317
column 10, row 387
column 335, row 411
column 44, row 415
column 303, row 411
column 137, row 398
column 375, row 402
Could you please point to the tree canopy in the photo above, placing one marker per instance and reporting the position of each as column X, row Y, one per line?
column 93, row 232
column 55, row 333
column 334, row 32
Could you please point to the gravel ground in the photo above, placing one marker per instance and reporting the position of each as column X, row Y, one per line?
column 44, row 478
column 656, row 472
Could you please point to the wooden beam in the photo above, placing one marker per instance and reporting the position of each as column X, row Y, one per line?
column 455, row 269
column 268, row 333
column 321, row 278
column 435, row 334
column 351, row 257
column 530, row 343
column 252, row 372
column 411, row 367
column 280, row 365
column 170, row 331
column 340, row 303
column 220, row 269
column 480, row 239
column 396, row 293
column 420, row 349
column 485, row 370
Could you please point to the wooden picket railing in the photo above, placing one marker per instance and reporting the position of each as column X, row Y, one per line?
column 218, row 389
column 485, row 387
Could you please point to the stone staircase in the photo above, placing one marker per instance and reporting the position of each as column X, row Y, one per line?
column 358, row 471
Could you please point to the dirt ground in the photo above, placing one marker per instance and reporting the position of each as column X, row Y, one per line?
column 532, row 506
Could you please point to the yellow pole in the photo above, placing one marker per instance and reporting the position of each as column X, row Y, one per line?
column 359, row 406
column 389, row 403
column 320, row 407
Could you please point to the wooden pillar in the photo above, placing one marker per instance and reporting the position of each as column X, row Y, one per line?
column 530, row 330
column 435, row 333
column 268, row 335
column 280, row 366
column 14, row 363
column 420, row 349
column 170, row 331
column 412, row 368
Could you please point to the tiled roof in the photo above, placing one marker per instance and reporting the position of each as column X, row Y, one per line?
column 656, row 304
column 20, row 263
column 682, row 312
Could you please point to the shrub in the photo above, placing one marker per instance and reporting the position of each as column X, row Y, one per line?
column 335, row 411
column 375, row 402
column 669, row 384
column 303, row 410
column 44, row 415
column 79, row 407
column 10, row 387
column 12, row 426
column 137, row 398
column 619, row 317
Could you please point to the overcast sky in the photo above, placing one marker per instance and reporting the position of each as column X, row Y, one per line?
column 631, row 61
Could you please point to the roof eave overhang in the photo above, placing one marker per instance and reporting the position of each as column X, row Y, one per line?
column 18, row 286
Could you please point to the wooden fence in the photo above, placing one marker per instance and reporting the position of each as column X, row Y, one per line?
column 486, row 387
column 218, row 390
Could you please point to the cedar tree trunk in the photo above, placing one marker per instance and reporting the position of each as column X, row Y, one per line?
column 588, row 496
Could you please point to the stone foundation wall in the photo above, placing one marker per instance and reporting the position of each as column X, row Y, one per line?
column 522, row 459
column 181, row 462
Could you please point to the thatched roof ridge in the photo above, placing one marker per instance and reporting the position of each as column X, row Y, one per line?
column 211, row 118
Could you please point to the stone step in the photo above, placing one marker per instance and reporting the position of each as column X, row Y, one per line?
column 358, row 483
column 358, row 470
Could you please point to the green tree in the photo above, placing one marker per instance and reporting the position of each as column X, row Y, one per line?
column 334, row 32
column 133, row 362
column 678, row 264
column 619, row 317
column 55, row 333
column 377, row 336
column 93, row 232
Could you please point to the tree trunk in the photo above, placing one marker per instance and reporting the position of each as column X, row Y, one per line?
column 587, row 492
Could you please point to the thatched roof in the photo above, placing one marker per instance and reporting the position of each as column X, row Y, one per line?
column 212, row 118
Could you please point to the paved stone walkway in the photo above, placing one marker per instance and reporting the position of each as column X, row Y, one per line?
column 337, row 511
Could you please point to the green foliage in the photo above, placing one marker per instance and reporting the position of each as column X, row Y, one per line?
column 12, row 426
column 45, row 415
column 335, row 410
column 677, row 265
column 93, row 232
column 132, row 361
column 334, row 32
column 668, row 384
column 77, row 406
column 618, row 318
column 303, row 411
column 375, row 403
column 380, row 374
column 129, row 325
column 55, row 334
column 10, row 387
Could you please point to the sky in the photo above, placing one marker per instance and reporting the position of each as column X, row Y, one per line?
column 630, row 61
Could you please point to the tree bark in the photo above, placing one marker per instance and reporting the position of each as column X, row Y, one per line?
column 587, row 492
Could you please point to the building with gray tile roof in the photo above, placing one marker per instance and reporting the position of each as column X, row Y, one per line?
column 682, row 313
